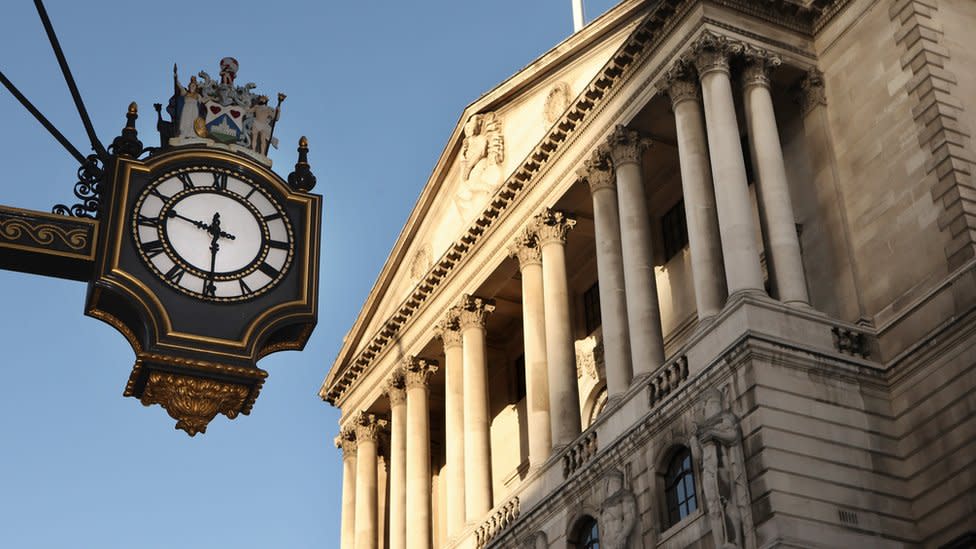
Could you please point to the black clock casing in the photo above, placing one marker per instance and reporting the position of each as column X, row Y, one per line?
column 205, row 329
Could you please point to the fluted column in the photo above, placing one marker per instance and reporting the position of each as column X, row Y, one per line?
column 472, row 313
column 735, row 219
column 526, row 248
column 450, row 333
column 643, row 312
column 416, row 378
column 367, row 434
column 396, row 393
column 704, row 240
column 610, row 269
column 551, row 227
column 775, row 207
column 346, row 441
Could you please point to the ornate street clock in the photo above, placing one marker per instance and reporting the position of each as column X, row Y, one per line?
column 199, row 254
column 207, row 259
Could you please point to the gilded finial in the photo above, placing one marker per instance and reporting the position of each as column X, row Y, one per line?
column 302, row 178
column 127, row 144
column 133, row 108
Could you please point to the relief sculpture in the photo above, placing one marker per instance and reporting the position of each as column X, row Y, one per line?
column 724, row 482
column 618, row 514
column 482, row 153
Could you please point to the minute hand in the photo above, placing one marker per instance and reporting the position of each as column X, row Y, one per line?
column 200, row 225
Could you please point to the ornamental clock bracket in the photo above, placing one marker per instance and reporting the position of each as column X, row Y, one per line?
column 196, row 251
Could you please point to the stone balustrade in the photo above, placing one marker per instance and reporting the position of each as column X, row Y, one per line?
column 499, row 520
column 667, row 379
column 579, row 453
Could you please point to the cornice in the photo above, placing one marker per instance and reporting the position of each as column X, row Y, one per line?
column 645, row 37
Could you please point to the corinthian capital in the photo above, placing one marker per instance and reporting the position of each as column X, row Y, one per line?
column 711, row 52
column 812, row 92
column 449, row 329
column 368, row 427
column 474, row 310
column 417, row 371
column 552, row 225
column 681, row 83
column 759, row 63
column 526, row 248
column 395, row 387
column 597, row 171
column 626, row 146
column 346, row 441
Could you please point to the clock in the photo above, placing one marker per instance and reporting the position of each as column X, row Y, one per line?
column 212, row 234
column 207, row 262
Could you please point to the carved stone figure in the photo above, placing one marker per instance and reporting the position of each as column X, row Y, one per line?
column 536, row 540
column 189, row 111
column 482, row 151
column 618, row 514
column 264, row 118
column 724, row 482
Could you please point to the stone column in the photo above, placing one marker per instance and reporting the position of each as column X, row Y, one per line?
column 347, row 531
column 526, row 248
column 472, row 313
column 450, row 333
column 395, row 391
column 704, row 240
column 775, row 207
column 610, row 269
column 643, row 312
column 735, row 220
column 417, row 376
column 367, row 434
column 551, row 227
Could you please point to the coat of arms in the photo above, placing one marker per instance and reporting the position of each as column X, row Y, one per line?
column 219, row 111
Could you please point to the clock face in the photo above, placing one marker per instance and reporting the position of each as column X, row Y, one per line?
column 212, row 234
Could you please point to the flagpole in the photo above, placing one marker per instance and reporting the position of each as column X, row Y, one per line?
column 579, row 19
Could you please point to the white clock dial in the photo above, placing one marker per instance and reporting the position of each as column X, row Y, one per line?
column 212, row 235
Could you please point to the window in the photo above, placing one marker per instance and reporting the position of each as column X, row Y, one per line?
column 591, row 307
column 589, row 534
column 520, row 391
column 674, row 230
column 679, row 488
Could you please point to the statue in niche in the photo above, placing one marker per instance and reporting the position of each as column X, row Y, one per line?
column 618, row 513
column 482, row 153
column 724, row 482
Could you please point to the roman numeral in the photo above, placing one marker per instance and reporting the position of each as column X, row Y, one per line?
column 155, row 192
column 185, row 179
column 245, row 289
column 209, row 288
column 152, row 249
column 278, row 245
column 147, row 221
column 252, row 191
column 272, row 217
column 220, row 180
column 175, row 274
column 269, row 270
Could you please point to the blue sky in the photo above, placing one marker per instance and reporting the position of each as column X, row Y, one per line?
column 377, row 87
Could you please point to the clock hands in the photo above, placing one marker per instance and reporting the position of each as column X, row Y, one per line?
column 201, row 225
column 209, row 288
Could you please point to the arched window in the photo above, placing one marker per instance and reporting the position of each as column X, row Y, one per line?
column 589, row 534
column 679, row 487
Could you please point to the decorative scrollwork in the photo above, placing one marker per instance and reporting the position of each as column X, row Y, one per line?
column 194, row 401
column 91, row 174
column 44, row 234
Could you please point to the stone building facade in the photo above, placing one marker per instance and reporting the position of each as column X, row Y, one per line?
column 702, row 275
